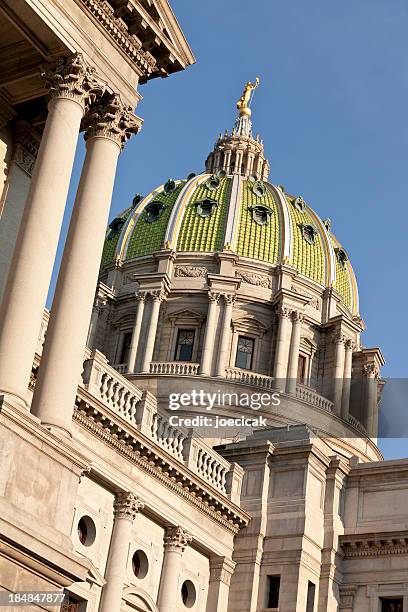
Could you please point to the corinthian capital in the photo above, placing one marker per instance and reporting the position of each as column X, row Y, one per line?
column 73, row 78
column 176, row 539
column 110, row 118
column 127, row 505
column 371, row 370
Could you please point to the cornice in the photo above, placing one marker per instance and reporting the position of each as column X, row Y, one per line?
column 135, row 447
column 117, row 29
column 374, row 545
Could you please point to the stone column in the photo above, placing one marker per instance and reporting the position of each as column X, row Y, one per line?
column 108, row 125
column 97, row 309
column 345, row 398
column 338, row 371
column 227, row 161
column 282, row 348
column 126, row 507
column 208, row 348
column 229, row 301
column 371, row 372
column 221, row 570
column 175, row 541
column 72, row 85
column 19, row 173
column 140, row 301
column 157, row 298
column 297, row 319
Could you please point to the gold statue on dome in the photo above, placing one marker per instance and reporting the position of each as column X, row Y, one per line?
column 245, row 100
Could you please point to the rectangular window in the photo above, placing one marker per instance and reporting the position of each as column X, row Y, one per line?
column 392, row 605
column 301, row 373
column 185, row 344
column 311, row 591
column 127, row 340
column 245, row 351
column 272, row 592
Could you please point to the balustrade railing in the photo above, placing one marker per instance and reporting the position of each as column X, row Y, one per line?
column 140, row 408
column 181, row 368
column 249, row 378
column 206, row 462
column 104, row 382
column 169, row 437
column 121, row 368
column 312, row 397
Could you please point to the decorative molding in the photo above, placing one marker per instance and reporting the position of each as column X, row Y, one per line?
column 283, row 312
column 221, row 569
column 111, row 118
column 73, row 78
column 117, row 29
column 27, row 142
column 214, row 296
column 371, row 370
column 347, row 593
column 176, row 539
column 314, row 301
column 229, row 299
column 153, row 461
column 251, row 278
column 374, row 545
column 127, row 505
column 190, row 271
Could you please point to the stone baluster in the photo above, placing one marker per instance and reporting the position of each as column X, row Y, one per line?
column 175, row 541
column 108, row 124
column 282, row 348
column 338, row 371
column 348, row 362
column 126, row 507
column 208, row 348
column 157, row 297
column 229, row 301
column 291, row 382
column 221, row 570
column 140, row 301
column 73, row 85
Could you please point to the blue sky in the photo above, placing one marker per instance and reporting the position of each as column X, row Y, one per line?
column 332, row 110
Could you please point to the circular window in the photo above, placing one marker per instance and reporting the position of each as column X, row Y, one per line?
column 140, row 564
column 188, row 594
column 86, row 530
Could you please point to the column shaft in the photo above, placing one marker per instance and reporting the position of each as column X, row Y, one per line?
column 294, row 354
column 338, row 373
column 371, row 373
column 208, row 348
column 225, row 335
column 109, row 124
column 175, row 541
column 126, row 508
column 152, row 331
column 282, row 348
column 62, row 359
column 31, row 266
column 345, row 398
column 136, row 333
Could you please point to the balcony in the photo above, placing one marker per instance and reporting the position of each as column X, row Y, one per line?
column 140, row 410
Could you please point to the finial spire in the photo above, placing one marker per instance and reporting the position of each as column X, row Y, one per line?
column 243, row 104
column 239, row 152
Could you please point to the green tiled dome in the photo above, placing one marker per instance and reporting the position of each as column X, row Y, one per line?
column 255, row 219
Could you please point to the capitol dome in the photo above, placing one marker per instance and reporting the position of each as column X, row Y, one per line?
column 233, row 207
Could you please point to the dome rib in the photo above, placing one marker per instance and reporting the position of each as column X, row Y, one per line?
column 286, row 225
column 231, row 228
column 177, row 214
